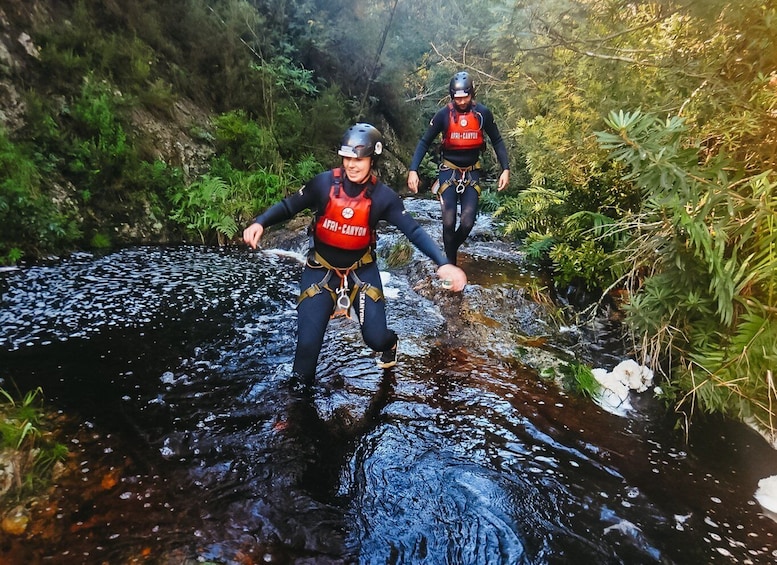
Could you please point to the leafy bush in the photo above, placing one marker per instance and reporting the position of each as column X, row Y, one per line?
column 577, row 246
column 99, row 148
column 704, row 254
column 243, row 142
column 226, row 199
column 29, row 220
column 537, row 247
column 489, row 201
column 206, row 205
column 587, row 262
column 537, row 208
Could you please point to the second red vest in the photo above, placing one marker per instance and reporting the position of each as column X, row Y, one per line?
column 464, row 130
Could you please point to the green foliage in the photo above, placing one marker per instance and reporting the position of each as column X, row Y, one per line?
column 304, row 170
column 99, row 61
column 577, row 246
column 25, row 438
column 226, row 199
column 428, row 169
column 534, row 209
column 704, row 260
column 21, row 424
column 588, row 263
column 29, row 221
column 206, row 205
column 242, row 179
column 86, row 44
column 282, row 73
column 300, row 117
column 243, row 142
column 159, row 96
column 156, row 176
column 538, row 246
column 100, row 241
column 579, row 378
column 99, row 149
column 400, row 253
column 565, row 64
column 489, row 201
column 323, row 120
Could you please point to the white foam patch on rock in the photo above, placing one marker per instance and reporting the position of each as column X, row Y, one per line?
column 766, row 495
column 616, row 385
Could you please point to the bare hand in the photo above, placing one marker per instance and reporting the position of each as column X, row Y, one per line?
column 252, row 234
column 412, row 181
column 456, row 276
column 504, row 180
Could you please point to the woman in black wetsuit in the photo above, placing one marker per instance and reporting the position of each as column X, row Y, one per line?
column 341, row 270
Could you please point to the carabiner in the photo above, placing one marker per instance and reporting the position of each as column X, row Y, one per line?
column 461, row 184
column 343, row 300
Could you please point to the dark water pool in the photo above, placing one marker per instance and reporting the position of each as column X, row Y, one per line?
column 189, row 446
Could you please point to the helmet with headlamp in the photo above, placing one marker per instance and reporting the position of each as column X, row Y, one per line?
column 461, row 85
column 361, row 140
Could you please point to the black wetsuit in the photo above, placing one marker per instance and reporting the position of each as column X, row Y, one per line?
column 462, row 158
column 314, row 312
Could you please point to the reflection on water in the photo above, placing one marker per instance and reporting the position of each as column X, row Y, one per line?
column 189, row 443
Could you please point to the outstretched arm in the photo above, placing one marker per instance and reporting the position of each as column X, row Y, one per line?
column 424, row 242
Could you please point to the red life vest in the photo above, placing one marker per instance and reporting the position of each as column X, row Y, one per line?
column 464, row 129
column 345, row 222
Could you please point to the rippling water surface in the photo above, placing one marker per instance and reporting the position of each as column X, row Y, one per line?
column 190, row 445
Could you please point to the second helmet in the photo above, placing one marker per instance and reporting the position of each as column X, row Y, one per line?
column 461, row 85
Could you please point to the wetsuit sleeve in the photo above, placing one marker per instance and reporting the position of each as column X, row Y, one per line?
column 396, row 215
column 490, row 127
column 293, row 204
column 423, row 241
column 436, row 127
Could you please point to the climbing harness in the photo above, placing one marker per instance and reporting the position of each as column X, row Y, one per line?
column 343, row 295
column 462, row 181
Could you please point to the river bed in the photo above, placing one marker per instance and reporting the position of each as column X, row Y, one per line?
column 189, row 445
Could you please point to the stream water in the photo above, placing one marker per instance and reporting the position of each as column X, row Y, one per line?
column 172, row 367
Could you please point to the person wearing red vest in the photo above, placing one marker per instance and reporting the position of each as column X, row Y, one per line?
column 341, row 274
column 464, row 125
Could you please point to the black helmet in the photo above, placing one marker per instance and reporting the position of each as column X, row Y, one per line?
column 461, row 85
column 361, row 140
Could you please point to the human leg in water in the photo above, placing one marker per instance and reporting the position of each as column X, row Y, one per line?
column 453, row 237
column 313, row 315
column 375, row 332
column 469, row 209
column 449, row 202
